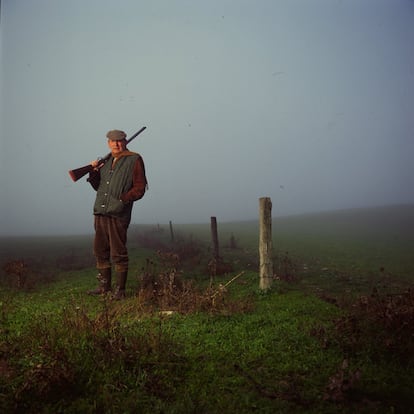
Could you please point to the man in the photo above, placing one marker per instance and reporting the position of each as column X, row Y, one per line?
column 118, row 183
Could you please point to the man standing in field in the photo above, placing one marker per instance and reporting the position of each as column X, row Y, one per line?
column 118, row 183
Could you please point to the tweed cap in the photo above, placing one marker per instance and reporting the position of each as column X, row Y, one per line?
column 116, row 135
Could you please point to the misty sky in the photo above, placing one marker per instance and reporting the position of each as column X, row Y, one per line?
column 309, row 102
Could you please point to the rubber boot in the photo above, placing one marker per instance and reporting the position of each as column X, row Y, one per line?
column 121, row 278
column 104, row 279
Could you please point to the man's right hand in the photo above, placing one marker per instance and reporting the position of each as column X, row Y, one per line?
column 96, row 164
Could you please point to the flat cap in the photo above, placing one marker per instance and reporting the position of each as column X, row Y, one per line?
column 116, row 135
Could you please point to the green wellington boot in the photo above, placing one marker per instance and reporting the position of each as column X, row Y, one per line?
column 121, row 278
column 104, row 279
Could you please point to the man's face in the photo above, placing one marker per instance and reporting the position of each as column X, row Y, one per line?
column 117, row 146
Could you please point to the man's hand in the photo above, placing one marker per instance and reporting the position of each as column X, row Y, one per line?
column 96, row 164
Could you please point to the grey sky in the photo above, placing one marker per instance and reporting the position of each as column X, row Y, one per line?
column 309, row 102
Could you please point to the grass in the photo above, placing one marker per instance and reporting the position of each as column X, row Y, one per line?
column 319, row 342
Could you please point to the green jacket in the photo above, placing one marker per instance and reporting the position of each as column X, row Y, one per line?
column 118, row 186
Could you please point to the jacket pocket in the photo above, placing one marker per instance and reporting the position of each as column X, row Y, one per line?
column 115, row 206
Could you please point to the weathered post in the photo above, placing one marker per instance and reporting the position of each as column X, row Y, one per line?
column 214, row 238
column 265, row 243
column 171, row 232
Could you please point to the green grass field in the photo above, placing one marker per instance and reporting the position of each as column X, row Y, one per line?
column 333, row 335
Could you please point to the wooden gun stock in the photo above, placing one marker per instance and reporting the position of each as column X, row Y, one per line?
column 78, row 173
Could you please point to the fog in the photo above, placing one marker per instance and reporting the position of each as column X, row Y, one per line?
column 309, row 102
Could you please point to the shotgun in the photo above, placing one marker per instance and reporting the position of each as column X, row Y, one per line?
column 80, row 172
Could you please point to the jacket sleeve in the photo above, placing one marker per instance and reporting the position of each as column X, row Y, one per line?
column 139, row 183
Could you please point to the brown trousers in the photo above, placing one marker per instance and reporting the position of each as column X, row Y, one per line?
column 110, row 243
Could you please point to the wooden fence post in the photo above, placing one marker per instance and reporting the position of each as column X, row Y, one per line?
column 171, row 232
column 214, row 237
column 265, row 243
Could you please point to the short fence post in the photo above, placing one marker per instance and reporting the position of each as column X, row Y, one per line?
column 214, row 237
column 171, row 232
column 265, row 243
